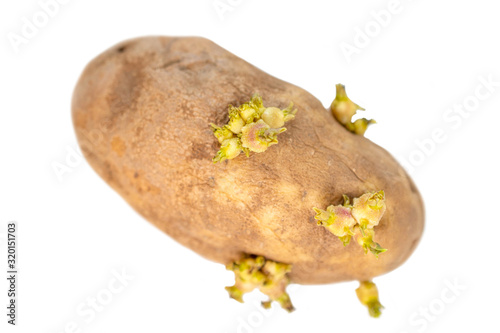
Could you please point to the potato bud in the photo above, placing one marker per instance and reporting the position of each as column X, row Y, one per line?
column 365, row 239
column 229, row 149
column 342, row 221
column 368, row 296
column 270, row 277
column 343, row 109
column 222, row 133
column 251, row 137
column 369, row 208
column 274, row 117
column 361, row 125
column 248, row 114
column 236, row 123
column 338, row 220
column 254, row 138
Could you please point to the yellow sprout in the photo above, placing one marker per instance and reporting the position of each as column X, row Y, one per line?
column 358, row 220
column 270, row 277
column 229, row 149
column 368, row 296
column 274, row 117
column 253, row 126
column 222, row 133
column 236, row 122
column 259, row 136
column 365, row 239
column 343, row 109
column 338, row 220
column 369, row 208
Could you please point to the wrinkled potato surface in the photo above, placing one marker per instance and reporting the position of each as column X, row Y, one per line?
column 142, row 112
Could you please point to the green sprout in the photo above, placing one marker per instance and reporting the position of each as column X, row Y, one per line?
column 368, row 296
column 252, row 127
column 364, row 237
column 343, row 109
column 270, row 277
column 358, row 220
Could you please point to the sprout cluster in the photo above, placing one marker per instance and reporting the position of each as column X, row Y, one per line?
column 251, row 127
column 357, row 220
column 270, row 277
column 343, row 109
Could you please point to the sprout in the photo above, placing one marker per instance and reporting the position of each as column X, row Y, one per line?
column 257, row 104
column 358, row 220
column 259, row 136
column 338, row 220
column 222, row 133
column 254, row 127
column 248, row 114
column 365, row 239
column 368, row 296
column 270, row 277
column 343, row 109
column 369, row 208
column 289, row 112
column 360, row 126
column 274, row 117
column 236, row 122
column 229, row 150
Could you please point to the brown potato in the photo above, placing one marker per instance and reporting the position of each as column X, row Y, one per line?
column 142, row 111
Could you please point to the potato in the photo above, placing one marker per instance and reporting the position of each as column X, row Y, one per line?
column 142, row 112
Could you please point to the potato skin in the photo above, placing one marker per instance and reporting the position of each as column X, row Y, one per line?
column 141, row 112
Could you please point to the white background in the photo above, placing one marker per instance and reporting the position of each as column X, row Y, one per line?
column 75, row 233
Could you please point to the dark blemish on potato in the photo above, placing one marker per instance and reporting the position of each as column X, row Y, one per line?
column 197, row 65
column 169, row 63
column 126, row 89
column 211, row 182
column 143, row 186
column 200, row 151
